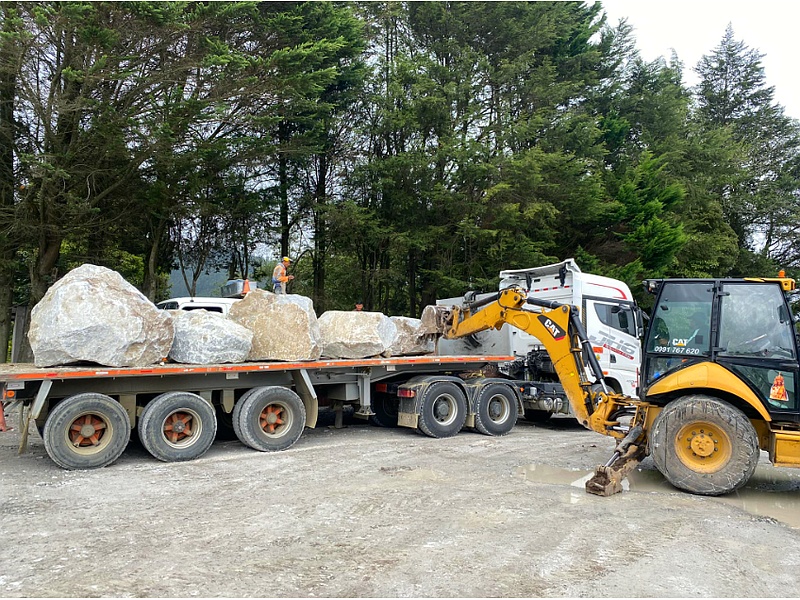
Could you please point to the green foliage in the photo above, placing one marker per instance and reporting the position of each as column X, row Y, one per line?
column 400, row 152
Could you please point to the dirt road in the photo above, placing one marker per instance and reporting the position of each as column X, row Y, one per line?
column 377, row 512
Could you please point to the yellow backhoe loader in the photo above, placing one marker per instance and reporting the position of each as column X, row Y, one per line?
column 720, row 379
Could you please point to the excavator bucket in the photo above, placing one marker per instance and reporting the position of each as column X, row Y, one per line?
column 607, row 479
column 436, row 320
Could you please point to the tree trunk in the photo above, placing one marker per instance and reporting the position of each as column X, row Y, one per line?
column 150, row 283
column 320, row 234
column 283, row 190
column 8, row 83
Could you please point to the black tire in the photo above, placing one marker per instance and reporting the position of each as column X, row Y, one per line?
column 496, row 410
column 86, row 431
column 704, row 446
column 537, row 416
column 269, row 419
column 443, row 411
column 177, row 426
column 385, row 409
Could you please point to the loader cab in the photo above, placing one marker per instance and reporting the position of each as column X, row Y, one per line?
column 743, row 325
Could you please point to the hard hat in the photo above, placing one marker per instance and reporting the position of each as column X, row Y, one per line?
column 286, row 259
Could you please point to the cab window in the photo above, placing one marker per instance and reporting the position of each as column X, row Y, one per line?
column 755, row 322
column 616, row 316
column 681, row 323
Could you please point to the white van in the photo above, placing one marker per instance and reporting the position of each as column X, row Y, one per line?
column 219, row 305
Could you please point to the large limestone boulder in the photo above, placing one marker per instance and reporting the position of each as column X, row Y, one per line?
column 410, row 339
column 93, row 314
column 284, row 326
column 355, row 334
column 205, row 338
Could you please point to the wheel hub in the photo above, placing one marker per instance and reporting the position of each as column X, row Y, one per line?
column 495, row 409
column 86, row 430
column 703, row 447
column 178, row 426
column 442, row 410
column 271, row 417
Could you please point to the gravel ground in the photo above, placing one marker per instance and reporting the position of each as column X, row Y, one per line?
column 369, row 512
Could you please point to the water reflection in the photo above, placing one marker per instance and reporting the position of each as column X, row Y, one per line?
column 771, row 492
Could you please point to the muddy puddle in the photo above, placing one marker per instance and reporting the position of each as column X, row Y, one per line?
column 771, row 492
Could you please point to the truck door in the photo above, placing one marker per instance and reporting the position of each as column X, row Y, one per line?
column 613, row 331
column 757, row 343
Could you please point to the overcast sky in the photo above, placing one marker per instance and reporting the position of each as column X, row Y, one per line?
column 695, row 28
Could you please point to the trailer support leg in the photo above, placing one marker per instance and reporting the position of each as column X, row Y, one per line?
column 364, row 399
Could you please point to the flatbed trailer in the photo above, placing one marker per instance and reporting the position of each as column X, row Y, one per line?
column 85, row 414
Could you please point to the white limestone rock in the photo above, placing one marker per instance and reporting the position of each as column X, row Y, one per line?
column 410, row 339
column 92, row 314
column 284, row 327
column 355, row 334
column 205, row 338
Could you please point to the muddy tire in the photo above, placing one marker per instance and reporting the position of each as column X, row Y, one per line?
column 444, row 410
column 269, row 419
column 86, row 431
column 177, row 426
column 385, row 409
column 704, row 446
column 496, row 410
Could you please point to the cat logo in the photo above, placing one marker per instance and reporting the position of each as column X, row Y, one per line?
column 552, row 327
column 679, row 343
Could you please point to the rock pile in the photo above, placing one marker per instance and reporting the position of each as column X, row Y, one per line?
column 92, row 314
column 355, row 334
column 284, row 327
column 410, row 338
column 206, row 338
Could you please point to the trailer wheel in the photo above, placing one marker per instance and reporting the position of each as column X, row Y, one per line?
column 177, row 426
column 385, row 409
column 704, row 445
column 443, row 411
column 86, row 431
column 269, row 419
column 497, row 410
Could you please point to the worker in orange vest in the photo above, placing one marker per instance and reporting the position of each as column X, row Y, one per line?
column 279, row 276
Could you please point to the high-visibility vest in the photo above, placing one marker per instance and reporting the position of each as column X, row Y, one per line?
column 279, row 274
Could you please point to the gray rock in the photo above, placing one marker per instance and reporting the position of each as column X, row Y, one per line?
column 93, row 314
column 284, row 327
column 204, row 338
column 355, row 334
column 410, row 339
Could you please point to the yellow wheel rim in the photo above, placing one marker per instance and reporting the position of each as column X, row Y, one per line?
column 703, row 447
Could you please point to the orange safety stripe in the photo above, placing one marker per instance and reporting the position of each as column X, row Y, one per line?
column 9, row 374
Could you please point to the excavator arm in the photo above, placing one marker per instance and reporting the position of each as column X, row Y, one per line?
column 559, row 329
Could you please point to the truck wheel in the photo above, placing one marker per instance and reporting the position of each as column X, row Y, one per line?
column 444, row 410
column 177, row 426
column 497, row 410
column 704, row 445
column 269, row 418
column 86, row 431
column 385, row 409
column 537, row 416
